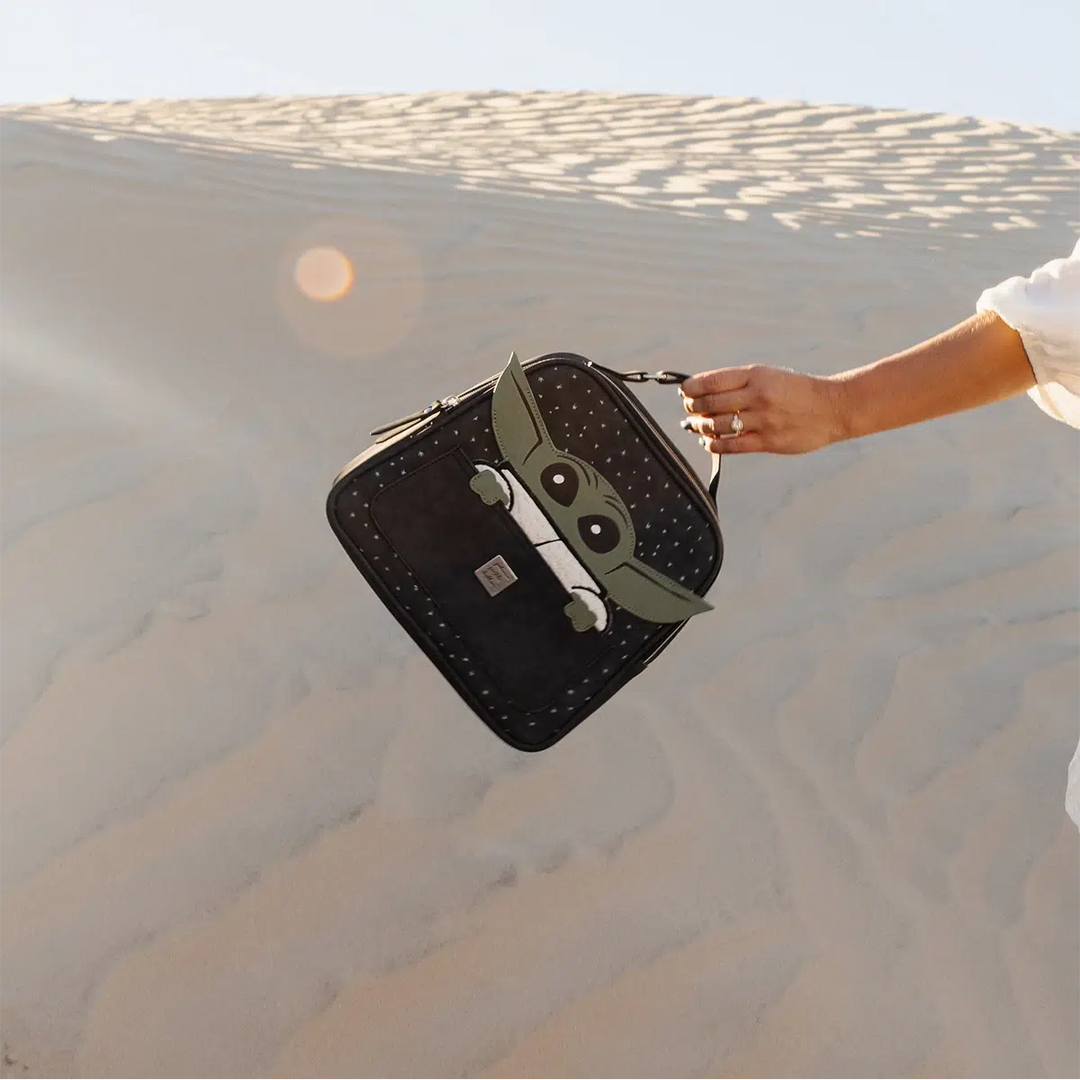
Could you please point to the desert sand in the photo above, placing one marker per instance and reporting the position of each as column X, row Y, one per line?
column 247, row 829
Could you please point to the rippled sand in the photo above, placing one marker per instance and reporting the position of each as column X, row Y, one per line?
column 248, row 831
column 865, row 171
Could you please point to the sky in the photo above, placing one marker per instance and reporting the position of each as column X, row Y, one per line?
column 1001, row 60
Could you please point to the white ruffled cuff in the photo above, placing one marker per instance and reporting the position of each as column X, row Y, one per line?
column 1072, row 788
column 1044, row 310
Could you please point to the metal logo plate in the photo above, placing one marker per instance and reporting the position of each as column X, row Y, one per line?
column 495, row 575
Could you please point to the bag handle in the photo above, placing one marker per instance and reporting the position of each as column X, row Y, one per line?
column 664, row 378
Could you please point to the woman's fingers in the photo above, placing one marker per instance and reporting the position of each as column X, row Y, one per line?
column 716, row 382
column 727, row 401
column 782, row 412
column 749, row 442
column 720, row 424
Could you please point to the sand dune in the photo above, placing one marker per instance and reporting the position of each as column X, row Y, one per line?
column 866, row 171
column 248, row 831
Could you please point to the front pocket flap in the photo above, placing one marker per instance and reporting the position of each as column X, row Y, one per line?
column 486, row 580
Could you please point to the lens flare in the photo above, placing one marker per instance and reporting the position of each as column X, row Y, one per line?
column 350, row 287
column 324, row 274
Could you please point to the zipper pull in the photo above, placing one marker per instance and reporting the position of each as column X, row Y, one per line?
column 427, row 410
column 436, row 406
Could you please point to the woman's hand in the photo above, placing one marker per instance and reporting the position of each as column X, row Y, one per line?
column 978, row 361
column 781, row 411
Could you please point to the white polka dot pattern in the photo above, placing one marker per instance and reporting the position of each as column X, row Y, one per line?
column 675, row 535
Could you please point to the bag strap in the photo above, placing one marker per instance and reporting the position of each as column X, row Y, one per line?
column 663, row 378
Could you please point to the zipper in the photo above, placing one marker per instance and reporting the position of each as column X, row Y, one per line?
column 437, row 406
column 384, row 432
column 428, row 410
column 616, row 379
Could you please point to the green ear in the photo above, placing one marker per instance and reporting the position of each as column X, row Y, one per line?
column 649, row 595
column 515, row 416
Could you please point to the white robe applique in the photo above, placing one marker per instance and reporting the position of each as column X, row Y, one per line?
column 574, row 578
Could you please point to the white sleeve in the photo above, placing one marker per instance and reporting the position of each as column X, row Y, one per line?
column 1072, row 788
column 1044, row 310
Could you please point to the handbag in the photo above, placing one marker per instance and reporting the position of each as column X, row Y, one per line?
column 538, row 536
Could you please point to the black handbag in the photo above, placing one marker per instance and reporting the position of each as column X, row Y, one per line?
column 537, row 535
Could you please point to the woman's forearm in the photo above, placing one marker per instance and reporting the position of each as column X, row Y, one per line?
column 980, row 361
column 785, row 412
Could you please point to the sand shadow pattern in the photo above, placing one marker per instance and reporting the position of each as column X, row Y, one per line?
column 858, row 171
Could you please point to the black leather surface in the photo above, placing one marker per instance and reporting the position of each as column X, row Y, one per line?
column 442, row 530
column 418, row 535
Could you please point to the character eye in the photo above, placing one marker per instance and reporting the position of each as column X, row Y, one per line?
column 600, row 533
column 560, row 482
